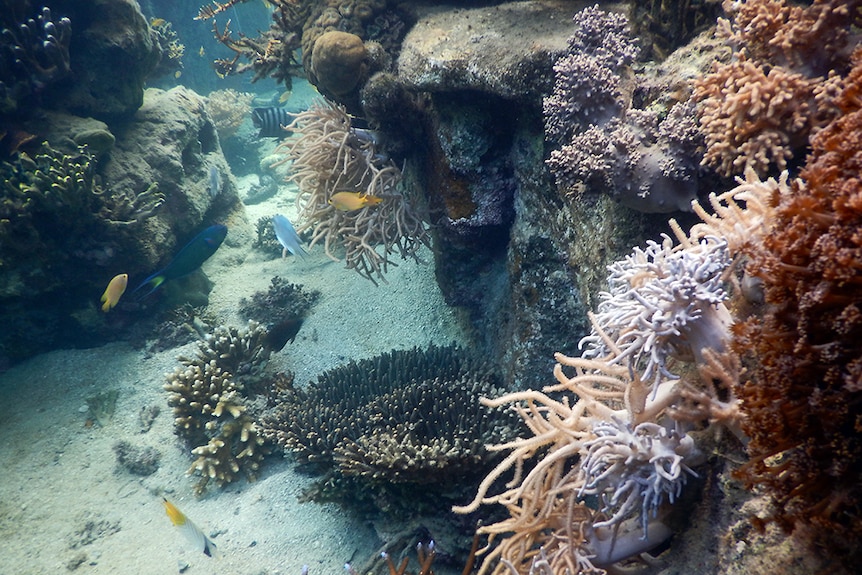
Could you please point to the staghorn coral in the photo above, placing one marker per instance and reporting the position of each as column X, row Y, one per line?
column 778, row 90
column 34, row 52
column 383, row 425
column 211, row 412
column 803, row 398
column 228, row 109
column 329, row 155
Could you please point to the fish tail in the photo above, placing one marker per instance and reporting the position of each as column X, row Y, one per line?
column 155, row 281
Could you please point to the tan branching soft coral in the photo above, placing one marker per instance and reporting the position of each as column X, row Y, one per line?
column 803, row 399
column 330, row 156
column 760, row 109
column 210, row 407
column 228, row 108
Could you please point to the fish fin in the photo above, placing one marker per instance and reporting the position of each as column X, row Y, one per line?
column 155, row 280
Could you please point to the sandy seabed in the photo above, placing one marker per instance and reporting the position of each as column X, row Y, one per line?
column 66, row 506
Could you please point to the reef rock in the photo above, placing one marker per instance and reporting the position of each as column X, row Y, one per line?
column 509, row 249
column 505, row 50
column 112, row 53
column 171, row 141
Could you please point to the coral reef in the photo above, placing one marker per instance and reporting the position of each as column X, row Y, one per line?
column 328, row 156
column 760, row 109
column 228, row 109
column 381, row 426
column 172, row 50
column 645, row 159
column 802, row 399
column 209, row 397
column 34, row 52
column 54, row 201
column 280, row 301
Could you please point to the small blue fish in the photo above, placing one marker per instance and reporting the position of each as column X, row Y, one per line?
column 214, row 186
column 287, row 236
column 190, row 258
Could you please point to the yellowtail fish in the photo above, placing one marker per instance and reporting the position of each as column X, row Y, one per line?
column 350, row 201
column 191, row 531
column 156, row 22
column 116, row 288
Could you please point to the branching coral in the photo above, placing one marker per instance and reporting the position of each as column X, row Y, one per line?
column 760, row 109
column 52, row 205
column 172, row 50
column 803, row 399
column 389, row 423
column 34, row 52
column 210, row 408
column 228, row 108
column 329, row 156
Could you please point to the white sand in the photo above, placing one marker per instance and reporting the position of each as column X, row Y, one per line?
column 57, row 475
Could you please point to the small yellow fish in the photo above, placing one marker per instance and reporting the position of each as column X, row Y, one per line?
column 202, row 52
column 116, row 288
column 191, row 531
column 156, row 22
column 285, row 96
column 350, row 201
column 177, row 74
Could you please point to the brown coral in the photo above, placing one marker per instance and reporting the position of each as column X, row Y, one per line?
column 338, row 62
column 803, row 403
column 228, row 108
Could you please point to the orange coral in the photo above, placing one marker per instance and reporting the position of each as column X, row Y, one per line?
column 761, row 109
column 803, row 404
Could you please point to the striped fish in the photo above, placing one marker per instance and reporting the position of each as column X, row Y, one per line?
column 271, row 121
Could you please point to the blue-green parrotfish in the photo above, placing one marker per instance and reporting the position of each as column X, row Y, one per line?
column 190, row 258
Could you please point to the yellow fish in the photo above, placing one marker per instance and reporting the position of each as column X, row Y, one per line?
column 156, row 22
column 116, row 288
column 191, row 531
column 202, row 52
column 350, row 201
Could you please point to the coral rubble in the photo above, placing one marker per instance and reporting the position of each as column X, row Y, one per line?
column 208, row 394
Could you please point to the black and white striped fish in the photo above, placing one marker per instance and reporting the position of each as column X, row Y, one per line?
column 271, row 121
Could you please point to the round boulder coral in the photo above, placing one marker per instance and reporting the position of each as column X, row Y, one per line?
column 338, row 62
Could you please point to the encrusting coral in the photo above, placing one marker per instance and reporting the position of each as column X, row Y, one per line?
column 211, row 411
column 380, row 426
column 330, row 156
column 761, row 108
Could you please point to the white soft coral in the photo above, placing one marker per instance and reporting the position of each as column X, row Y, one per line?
column 663, row 302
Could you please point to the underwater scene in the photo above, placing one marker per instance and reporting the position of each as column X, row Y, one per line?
column 394, row 287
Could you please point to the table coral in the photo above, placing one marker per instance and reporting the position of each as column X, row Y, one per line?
column 380, row 426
